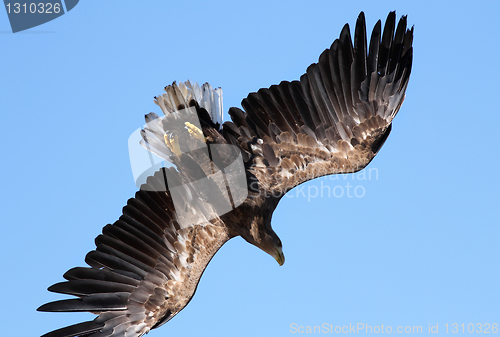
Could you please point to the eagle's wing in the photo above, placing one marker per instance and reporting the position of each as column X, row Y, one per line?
column 147, row 264
column 335, row 119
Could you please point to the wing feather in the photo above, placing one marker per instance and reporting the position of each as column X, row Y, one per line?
column 80, row 329
column 341, row 109
column 144, row 270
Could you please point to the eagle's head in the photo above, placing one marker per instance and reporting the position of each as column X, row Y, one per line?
column 262, row 235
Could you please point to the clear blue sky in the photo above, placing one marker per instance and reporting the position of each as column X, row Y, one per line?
column 419, row 247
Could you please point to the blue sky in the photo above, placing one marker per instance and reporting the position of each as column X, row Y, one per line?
column 419, row 247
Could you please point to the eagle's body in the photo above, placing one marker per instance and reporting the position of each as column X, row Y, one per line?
column 334, row 120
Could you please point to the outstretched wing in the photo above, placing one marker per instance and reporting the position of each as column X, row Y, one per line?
column 147, row 264
column 335, row 119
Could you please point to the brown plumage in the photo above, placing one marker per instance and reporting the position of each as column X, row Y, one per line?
column 147, row 264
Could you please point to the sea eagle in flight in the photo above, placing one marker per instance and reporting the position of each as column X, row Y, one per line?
column 335, row 119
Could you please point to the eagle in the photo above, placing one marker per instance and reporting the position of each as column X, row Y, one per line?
column 226, row 179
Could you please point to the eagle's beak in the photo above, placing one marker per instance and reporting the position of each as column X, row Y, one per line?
column 280, row 257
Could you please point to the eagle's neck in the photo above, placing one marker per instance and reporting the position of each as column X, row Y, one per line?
column 251, row 217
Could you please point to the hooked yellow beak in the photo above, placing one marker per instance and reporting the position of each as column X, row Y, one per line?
column 280, row 257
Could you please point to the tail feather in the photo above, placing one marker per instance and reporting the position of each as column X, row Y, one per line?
column 177, row 97
column 181, row 103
